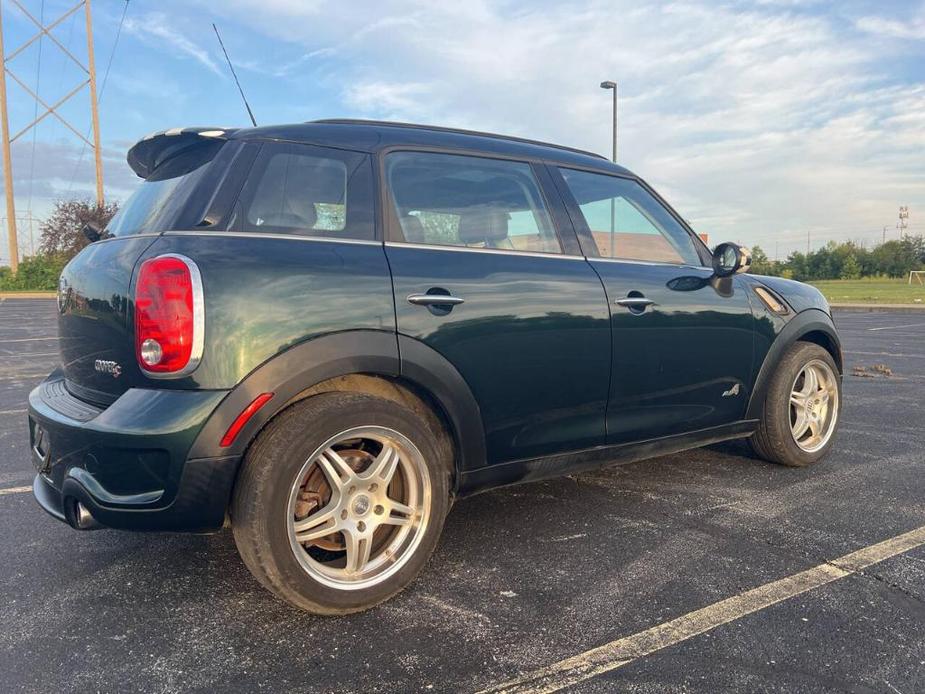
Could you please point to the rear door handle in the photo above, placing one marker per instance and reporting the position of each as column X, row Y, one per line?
column 434, row 300
column 635, row 302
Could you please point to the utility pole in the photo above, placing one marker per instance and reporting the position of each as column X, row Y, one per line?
column 884, row 235
column 44, row 30
column 807, row 242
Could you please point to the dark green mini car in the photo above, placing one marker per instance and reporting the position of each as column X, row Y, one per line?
column 322, row 334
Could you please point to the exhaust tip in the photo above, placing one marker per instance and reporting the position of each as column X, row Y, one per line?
column 85, row 519
column 79, row 517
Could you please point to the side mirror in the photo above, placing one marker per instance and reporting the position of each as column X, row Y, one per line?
column 92, row 231
column 730, row 258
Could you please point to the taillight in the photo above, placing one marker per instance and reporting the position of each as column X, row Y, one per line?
column 169, row 316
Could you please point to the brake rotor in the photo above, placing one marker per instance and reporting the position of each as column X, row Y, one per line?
column 315, row 493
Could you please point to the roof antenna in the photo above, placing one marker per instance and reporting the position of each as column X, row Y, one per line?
column 233, row 74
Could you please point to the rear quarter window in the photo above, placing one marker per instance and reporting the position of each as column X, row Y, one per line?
column 307, row 191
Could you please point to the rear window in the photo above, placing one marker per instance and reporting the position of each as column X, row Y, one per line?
column 161, row 199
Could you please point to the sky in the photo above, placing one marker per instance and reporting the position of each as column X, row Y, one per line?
column 771, row 122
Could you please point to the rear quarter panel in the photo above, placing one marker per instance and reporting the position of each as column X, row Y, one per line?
column 266, row 294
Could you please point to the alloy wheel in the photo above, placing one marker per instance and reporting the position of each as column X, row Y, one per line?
column 359, row 507
column 813, row 405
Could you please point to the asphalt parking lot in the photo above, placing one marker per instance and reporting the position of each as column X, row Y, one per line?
column 524, row 577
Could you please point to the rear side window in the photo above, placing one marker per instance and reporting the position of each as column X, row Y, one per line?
column 455, row 200
column 626, row 221
column 306, row 190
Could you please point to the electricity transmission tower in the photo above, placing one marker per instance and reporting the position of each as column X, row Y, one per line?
column 44, row 30
column 903, row 222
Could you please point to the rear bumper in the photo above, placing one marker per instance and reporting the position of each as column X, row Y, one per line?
column 127, row 464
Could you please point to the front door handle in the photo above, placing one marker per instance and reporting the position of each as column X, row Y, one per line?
column 434, row 300
column 635, row 302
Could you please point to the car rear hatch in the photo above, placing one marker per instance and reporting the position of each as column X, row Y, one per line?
column 95, row 294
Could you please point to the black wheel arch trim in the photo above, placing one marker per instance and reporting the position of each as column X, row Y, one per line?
column 806, row 322
column 370, row 352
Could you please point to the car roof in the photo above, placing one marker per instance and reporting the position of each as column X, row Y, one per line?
column 372, row 136
column 366, row 136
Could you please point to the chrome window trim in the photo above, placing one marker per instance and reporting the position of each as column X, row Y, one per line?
column 261, row 235
column 199, row 322
column 633, row 261
column 465, row 249
column 107, row 239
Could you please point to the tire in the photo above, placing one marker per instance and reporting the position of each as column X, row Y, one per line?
column 776, row 439
column 338, row 485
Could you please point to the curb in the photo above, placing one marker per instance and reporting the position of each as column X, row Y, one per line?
column 869, row 308
column 28, row 295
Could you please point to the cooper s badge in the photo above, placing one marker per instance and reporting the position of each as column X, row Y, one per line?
column 108, row 367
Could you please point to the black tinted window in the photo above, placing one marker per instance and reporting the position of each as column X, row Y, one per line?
column 299, row 189
column 626, row 221
column 453, row 200
column 163, row 196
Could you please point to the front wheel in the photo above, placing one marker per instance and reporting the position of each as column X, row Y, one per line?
column 801, row 409
column 340, row 502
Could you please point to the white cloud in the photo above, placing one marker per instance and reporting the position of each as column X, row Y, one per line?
column 893, row 28
column 158, row 28
column 758, row 122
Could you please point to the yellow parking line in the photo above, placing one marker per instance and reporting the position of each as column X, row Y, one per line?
column 15, row 490
column 610, row 656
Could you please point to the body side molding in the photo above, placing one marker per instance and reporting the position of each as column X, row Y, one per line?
column 517, row 471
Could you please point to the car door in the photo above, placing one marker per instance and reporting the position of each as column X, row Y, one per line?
column 682, row 338
column 482, row 275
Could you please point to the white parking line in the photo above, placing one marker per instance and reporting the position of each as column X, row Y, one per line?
column 610, row 656
column 887, row 354
column 30, row 339
column 15, row 490
column 12, row 412
column 896, row 327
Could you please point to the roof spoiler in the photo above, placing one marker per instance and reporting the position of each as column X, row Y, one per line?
column 154, row 149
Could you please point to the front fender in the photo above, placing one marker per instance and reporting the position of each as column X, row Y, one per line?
column 815, row 321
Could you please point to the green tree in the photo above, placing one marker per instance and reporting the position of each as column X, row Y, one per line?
column 40, row 272
column 761, row 264
column 62, row 232
column 850, row 269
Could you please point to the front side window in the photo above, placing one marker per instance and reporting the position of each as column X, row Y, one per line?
column 305, row 190
column 455, row 200
column 627, row 222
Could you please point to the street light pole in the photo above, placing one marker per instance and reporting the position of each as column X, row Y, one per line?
column 613, row 85
column 613, row 213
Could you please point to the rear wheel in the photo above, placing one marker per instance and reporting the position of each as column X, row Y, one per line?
column 341, row 501
column 801, row 408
